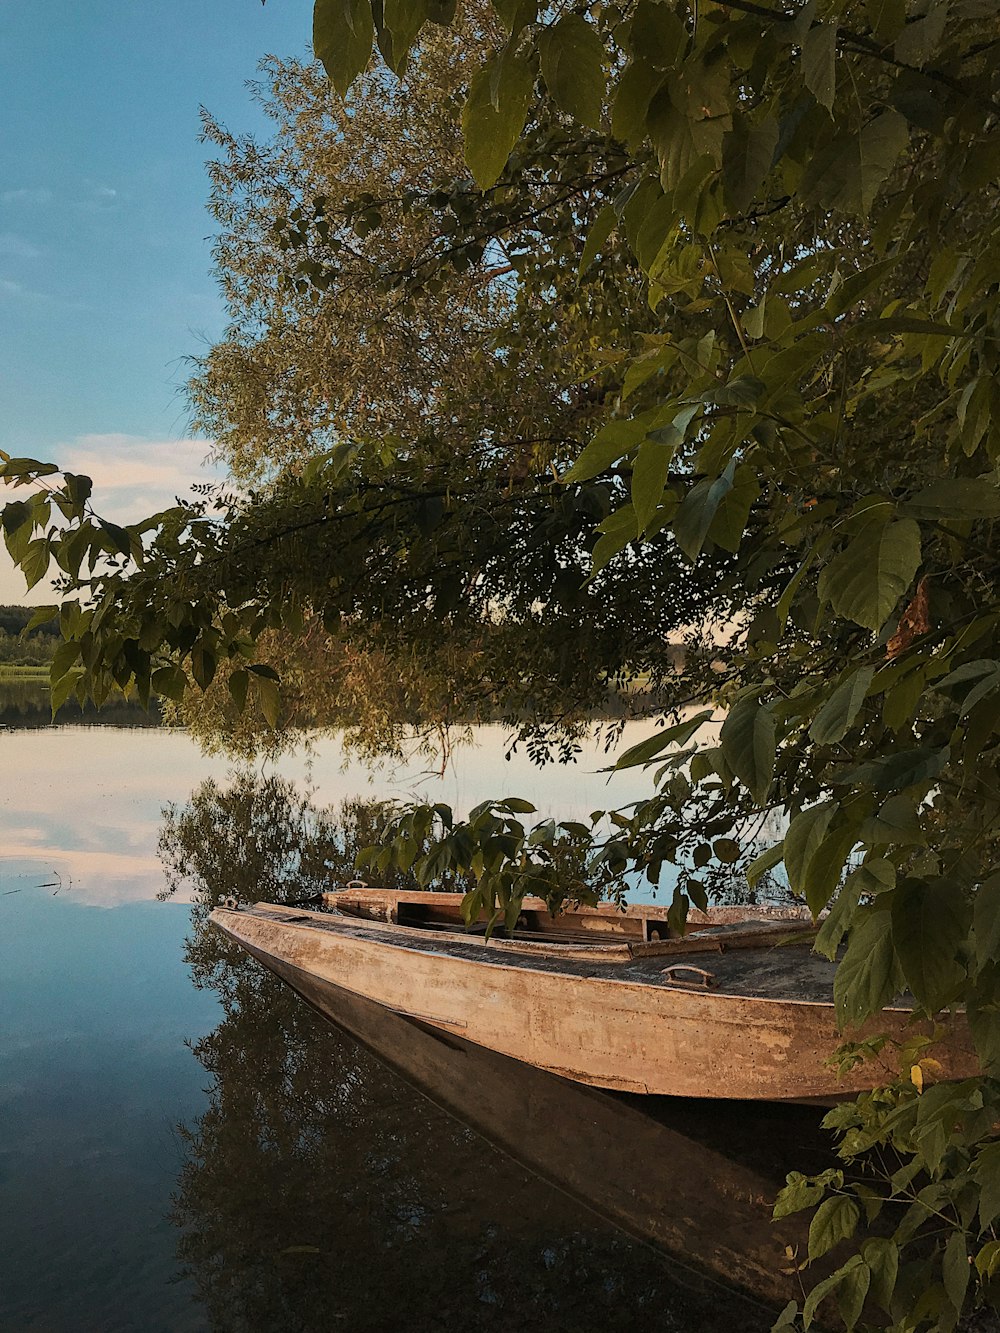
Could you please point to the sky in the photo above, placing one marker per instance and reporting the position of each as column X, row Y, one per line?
column 105, row 241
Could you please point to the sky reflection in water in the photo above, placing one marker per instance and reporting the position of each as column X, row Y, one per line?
column 84, row 803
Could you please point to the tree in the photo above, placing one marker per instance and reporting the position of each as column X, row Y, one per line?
column 811, row 197
column 430, row 567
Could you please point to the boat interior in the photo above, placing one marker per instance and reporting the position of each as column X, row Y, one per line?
column 607, row 924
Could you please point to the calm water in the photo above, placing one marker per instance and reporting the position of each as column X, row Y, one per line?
column 186, row 1146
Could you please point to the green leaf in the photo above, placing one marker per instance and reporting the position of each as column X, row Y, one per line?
column 761, row 864
column 35, row 562
column 955, row 1269
column 170, row 682
column 25, row 467
column 892, row 324
column 988, row 1259
column 698, row 509
column 402, row 20
column 636, row 89
column 818, row 1295
column 203, row 665
column 930, row 922
column 858, row 285
column 62, row 689
column 749, row 742
column 788, row 1319
column 726, row 850
column 986, row 920
column 65, row 655
column 866, row 579
column 611, row 442
column 835, row 718
column 617, row 530
column 238, row 683
column 868, row 976
column 803, row 838
column 797, row 1194
column 494, row 114
column 987, row 1174
column 572, row 58
column 15, row 515
column 834, row 1220
column 896, row 821
column 897, row 771
column 269, row 698
column 826, row 866
column 41, row 616
column 516, row 805
column 600, row 229
column 819, row 63
column 649, row 479
column 260, row 669
column 841, row 915
column 653, row 745
column 882, row 1257
column 850, row 174
column 342, row 39
column 956, row 498
column 733, row 513
column 516, row 14
column 657, row 34
column 747, row 157
column 853, row 1291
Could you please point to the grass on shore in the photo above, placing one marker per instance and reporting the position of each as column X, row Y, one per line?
column 18, row 671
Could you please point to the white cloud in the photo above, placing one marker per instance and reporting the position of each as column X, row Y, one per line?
column 9, row 288
column 134, row 476
column 27, row 195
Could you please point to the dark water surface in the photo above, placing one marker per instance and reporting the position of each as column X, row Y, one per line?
column 182, row 1157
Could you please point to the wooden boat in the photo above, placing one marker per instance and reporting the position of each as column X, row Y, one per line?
column 740, row 1007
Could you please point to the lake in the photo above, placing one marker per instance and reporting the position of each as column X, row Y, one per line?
column 187, row 1146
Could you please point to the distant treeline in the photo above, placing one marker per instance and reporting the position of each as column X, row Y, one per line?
column 19, row 648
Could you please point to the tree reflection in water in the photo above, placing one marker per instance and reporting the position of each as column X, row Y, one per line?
column 319, row 1190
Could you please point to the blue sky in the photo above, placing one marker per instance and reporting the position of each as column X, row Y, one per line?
column 105, row 265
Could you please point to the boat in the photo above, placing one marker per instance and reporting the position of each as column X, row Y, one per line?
column 739, row 1007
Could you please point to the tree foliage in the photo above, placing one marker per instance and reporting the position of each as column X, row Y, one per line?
column 808, row 408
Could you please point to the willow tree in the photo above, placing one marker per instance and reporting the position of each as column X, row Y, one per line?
column 809, row 195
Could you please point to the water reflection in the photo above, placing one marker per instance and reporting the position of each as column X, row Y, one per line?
column 326, row 1186
column 25, row 705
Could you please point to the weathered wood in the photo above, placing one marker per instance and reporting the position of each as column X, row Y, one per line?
column 609, row 1015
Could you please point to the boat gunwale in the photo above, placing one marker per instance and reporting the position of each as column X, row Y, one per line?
column 762, row 921
column 417, row 940
column 697, row 942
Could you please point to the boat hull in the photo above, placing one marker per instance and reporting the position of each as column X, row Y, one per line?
column 695, row 1203
column 608, row 1026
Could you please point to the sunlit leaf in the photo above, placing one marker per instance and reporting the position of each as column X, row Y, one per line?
column 343, row 31
column 494, row 114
